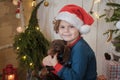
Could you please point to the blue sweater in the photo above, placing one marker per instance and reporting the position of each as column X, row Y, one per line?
column 83, row 63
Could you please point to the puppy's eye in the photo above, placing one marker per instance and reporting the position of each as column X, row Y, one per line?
column 56, row 47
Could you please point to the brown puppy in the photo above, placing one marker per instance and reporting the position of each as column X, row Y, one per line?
column 60, row 48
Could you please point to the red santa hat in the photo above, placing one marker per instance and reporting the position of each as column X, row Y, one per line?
column 76, row 16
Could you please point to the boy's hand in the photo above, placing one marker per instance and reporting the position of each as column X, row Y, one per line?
column 50, row 61
column 46, row 61
column 53, row 60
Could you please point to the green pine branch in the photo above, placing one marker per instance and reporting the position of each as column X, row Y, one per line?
column 113, row 4
column 114, row 18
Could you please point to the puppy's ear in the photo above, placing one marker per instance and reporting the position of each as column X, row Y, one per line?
column 66, row 54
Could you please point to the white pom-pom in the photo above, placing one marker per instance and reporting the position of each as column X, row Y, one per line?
column 118, row 25
column 85, row 29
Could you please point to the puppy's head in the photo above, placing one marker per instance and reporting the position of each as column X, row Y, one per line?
column 60, row 47
column 57, row 46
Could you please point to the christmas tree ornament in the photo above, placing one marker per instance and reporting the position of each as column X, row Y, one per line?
column 15, row 2
column 18, row 13
column 109, row 38
column 33, row 3
column 46, row 3
column 113, row 16
column 19, row 29
column 19, row 3
column 109, row 12
column 118, row 25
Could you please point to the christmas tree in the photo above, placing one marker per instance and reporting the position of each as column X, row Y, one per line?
column 113, row 15
column 31, row 45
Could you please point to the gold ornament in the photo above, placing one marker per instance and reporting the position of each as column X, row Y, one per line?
column 46, row 3
column 110, row 35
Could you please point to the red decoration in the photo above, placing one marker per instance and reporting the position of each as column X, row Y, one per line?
column 18, row 10
column 18, row 13
column 18, row 3
column 9, row 73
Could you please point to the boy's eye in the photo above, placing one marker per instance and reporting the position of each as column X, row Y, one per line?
column 61, row 27
column 65, row 27
column 71, row 26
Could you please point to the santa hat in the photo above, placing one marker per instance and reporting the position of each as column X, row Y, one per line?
column 76, row 16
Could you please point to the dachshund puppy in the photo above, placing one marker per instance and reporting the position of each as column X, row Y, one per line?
column 60, row 48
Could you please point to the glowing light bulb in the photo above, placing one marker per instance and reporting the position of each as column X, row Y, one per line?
column 18, row 48
column 31, row 64
column 37, row 28
column 95, row 15
column 19, row 38
column 24, row 57
column 11, row 77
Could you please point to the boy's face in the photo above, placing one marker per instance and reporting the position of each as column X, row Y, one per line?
column 67, row 31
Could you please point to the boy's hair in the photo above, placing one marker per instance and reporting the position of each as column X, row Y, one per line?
column 56, row 24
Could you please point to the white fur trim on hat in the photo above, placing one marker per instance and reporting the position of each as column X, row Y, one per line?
column 70, row 18
column 74, row 20
column 85, row 29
